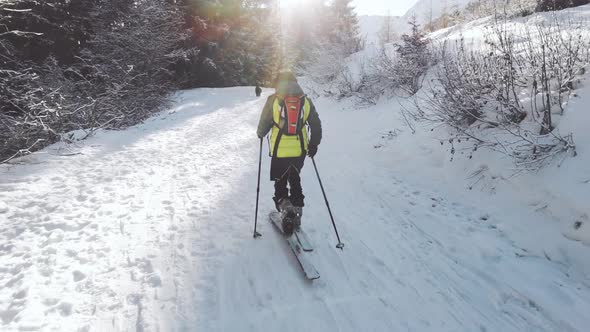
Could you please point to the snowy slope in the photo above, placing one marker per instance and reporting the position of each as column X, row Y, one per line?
column 424, row 10
column 371, row 25
column 560, row 190
column 150, row 229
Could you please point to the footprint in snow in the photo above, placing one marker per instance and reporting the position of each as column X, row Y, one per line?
column 3, row 207
column 65, row 308
column 50, row 302
column 78, row 276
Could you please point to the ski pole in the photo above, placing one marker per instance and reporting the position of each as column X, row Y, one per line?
column 256, row 234
column 340, row 245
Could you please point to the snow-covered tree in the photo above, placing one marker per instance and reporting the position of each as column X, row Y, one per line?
column 304, row 31
column 76, row 64
column 548, row 5
column 342, row 27
column 250, row 49
column 35, row 37
column 82, row 64
column 237, row 42
column 413, row 58
column 127, row 64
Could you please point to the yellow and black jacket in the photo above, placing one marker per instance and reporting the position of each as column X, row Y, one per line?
column 289, row 146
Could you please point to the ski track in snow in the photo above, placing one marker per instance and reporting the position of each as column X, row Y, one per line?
column 150, row 229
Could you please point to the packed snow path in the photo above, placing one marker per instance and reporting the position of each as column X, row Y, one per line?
column 150, row 229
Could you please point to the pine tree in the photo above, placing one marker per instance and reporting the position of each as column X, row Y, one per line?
column 63, row 27
column 343, row 26
column 549, row 5
column 126, row 65
column 304, row 32
column 35, row 38
column 71, row 64
column 266, row 44
column 413, row 58
column 250, row 46
column 236, row 42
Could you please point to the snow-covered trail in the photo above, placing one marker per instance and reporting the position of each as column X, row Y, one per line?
column 109, row 236
column 150, row 229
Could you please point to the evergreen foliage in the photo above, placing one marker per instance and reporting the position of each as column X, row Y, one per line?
column 343, row 28
column 87, row 64
column 413, row 58
column 548, row 5
column 320, row 36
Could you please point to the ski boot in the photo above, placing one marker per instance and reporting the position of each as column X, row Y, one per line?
column 291, row 219
column 298, row 210
column 284, row 204
column 281, row 203
column 290, row 216
column 288, row 221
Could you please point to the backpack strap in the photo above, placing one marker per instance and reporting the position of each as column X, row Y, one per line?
column 276, row 147
column 300, row 124
column 281, row 102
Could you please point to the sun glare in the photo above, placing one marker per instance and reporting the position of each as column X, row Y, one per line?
column 292, row 3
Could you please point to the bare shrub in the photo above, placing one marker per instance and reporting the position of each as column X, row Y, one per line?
column 502, row 94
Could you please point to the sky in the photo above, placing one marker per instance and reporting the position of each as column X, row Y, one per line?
column 368, row 7
column 380, row 7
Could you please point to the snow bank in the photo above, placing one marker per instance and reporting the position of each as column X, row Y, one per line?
column 550, row 206
column 560, row 190
column 557, row 194
column 474, row 31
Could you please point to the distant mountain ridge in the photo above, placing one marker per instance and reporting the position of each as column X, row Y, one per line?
column 427, row 10
column 424, row 10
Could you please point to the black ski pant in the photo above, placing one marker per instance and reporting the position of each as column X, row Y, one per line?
column 291, row 176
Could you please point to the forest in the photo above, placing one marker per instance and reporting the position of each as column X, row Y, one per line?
column 67, row 65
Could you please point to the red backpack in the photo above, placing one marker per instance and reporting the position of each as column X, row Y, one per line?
column 292, row 114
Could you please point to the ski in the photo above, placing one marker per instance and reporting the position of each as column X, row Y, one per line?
column 302, row 237
column 308, row 269
column 310, row 272
column 303, row 240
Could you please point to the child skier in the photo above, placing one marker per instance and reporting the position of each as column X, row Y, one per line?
column 287, row 113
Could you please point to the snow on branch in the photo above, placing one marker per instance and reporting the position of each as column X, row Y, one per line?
column 117, row 78
column 504, row 94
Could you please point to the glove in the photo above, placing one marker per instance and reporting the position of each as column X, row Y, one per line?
column 312, row 150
